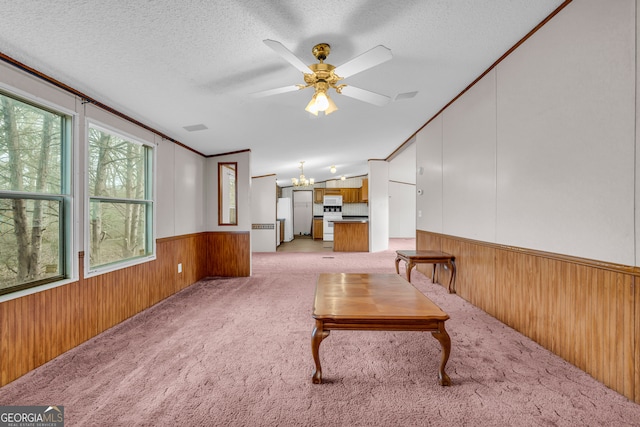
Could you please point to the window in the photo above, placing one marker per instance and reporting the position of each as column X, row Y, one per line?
column 120, row 208
column 35, row 201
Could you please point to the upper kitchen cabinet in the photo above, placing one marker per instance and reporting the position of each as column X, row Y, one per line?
column 364, row 191
column 318, row 195
column 350, row 195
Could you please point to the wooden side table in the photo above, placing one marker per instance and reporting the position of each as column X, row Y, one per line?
column 411, row 258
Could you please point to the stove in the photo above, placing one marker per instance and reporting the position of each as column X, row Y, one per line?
column 332, row 211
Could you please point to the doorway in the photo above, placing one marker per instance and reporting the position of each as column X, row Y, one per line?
column 302, row 213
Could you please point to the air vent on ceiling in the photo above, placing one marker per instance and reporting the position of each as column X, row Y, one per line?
column 194, row 128
column 405, row 95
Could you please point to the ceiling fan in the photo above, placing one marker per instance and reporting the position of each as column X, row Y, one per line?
column 323, row 76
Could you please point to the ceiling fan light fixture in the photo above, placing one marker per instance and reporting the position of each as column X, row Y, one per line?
column 332, row 106
column 322, row 101
column 311, row 106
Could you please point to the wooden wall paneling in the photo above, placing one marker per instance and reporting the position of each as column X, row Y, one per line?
column 596, row 322
column 548, row 305
column 584, row 312
column 487, row 273
column 194, row 252
column 41, row 322
column 543, row 293
column 63, row 304
column 610, row 344
column 585, row 275
column 505, row 276
column 164, row 272
column 28, row 326
column 475, row 276
column 566, row 308
column 636, row 339
column 621, row 334
column 203, row 256
column 627, row 334
column 523, row 302
column 229, row 254
column 184, row 255
column 427, row 241
column 82, row 318
column 8, row 341
column 39, row 327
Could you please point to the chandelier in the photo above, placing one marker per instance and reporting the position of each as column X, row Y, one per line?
column 302, row 181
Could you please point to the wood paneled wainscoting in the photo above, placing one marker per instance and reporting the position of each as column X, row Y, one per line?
column 38, row 327
column 585, row 311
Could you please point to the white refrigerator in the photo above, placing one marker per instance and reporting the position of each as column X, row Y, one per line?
column 284, row 210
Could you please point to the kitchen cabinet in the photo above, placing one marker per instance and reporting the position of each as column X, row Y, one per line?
column 318, row 195
column 364, row 191
column 317, row 228
column 350, row 195
column 351, row 236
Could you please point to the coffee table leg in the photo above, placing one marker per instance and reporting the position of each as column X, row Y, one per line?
column 397, row 265
column 316, row 338
column 445, row 341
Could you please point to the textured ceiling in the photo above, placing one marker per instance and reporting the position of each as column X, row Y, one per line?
column 174, row 64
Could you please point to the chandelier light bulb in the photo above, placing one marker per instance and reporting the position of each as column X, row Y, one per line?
column 333, row 169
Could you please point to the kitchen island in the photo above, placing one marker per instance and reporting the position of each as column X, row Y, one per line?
column 351, row 235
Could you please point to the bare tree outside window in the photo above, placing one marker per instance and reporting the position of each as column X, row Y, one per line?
column 120, row 204
column 31, row 194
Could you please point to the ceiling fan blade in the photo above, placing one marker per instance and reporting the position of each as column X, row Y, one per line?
column 370, row 58
column 276, row 91
column 366, row 96
column 287, row 55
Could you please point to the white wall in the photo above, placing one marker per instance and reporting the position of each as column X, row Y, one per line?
column 540, row 153
column 263, row 213
column 243, row 184
column 402, row 193
column 189, row 189
column 402, row 213
column 402, row 167
column 469, row 163
column 429, row 178
column 378, row 205
column 166, row 189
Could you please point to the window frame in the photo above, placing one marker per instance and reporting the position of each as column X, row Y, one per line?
column 66, row 197
column 150, row 212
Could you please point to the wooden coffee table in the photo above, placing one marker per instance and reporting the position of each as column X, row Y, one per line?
column 375, row 302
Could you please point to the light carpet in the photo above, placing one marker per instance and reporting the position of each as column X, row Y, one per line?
column 236, row 352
